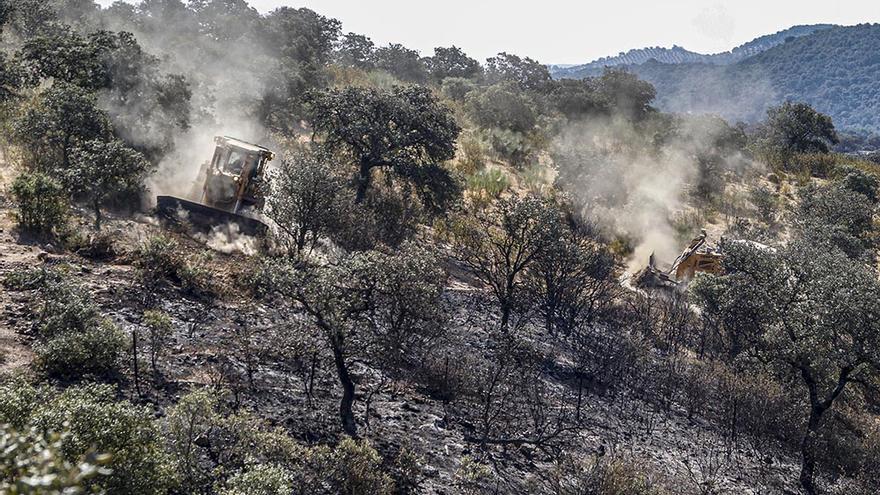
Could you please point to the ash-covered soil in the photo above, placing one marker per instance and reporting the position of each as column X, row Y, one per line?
column 230, row 340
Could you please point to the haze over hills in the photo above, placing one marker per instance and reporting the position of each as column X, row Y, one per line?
column 833, row 68
column 680, row 55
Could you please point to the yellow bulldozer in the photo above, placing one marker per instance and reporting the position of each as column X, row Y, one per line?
column 230, row 189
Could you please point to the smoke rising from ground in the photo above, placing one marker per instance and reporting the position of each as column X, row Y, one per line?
column 633, row 178
column 226, row 67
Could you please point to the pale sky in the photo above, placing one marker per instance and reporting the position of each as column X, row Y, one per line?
column 556, row 31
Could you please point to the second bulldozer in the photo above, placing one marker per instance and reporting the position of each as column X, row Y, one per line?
column 230, row 189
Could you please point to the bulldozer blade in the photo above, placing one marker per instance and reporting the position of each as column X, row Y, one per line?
column 204, row 217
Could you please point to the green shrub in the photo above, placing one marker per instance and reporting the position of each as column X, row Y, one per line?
column 239, row 452
column 93, row 420
column 601, row 476
column 72, row 337
column 158, row 324
column 31, row 463
column 95, row 350
column 354, row 469
column 65, row 307
column 262, row 479
column 41, row 201
column 764, row 201
column 490, row 182
column 471, row 154
column 126, row 432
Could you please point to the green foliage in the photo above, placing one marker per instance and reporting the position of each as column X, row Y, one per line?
column 401, row 62
column 261, row 479
column 796, row 128
column 452, row 62
column 471, row 154
column 95, row 350
column 306, row 199
column 600, row 476
column 62, row 117
column 92, row 420
column 254, row 458
column 861, row 182
column 526, row 73
column 355, row 469
column 573, row 282
column 159, row 326
column 457, row 88
column 764, row 201
column 10, row 78
column 356, row 50
column 103, row 169
column 491, row 182
column 31, row 463
column 42, row 203
column 301, row 41
column 807, row 309
column 503, row 106
column 498, row 245
column 72, row 337
column 837, row 216
column 371, row 306
column 405, row 130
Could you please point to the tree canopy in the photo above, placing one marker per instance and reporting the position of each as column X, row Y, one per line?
column 405, row 130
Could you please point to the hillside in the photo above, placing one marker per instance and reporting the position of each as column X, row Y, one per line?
column 834, row 70
column 679, row 55
column 256, row 254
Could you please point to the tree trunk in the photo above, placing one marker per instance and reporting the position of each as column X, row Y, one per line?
column 345, row 405
column 363, row 182
column 97, row 207
column 808, row 451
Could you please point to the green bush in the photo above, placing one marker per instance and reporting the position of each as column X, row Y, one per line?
column 96, row 350
column 262, row 479
column 93, row 420
column 158, row 324
column 41, row 201
column 601, row 476
column 65, row 307
column 239, row 452
column 490, row 182
column 72, row 337
column 31, row 463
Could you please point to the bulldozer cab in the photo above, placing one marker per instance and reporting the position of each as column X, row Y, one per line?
column 234, row 176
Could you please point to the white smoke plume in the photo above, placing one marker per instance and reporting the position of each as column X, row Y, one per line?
column 634, row 178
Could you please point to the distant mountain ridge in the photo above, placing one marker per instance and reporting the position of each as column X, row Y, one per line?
column 835, row 69
column 680, row 55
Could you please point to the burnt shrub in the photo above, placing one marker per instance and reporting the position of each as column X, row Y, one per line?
column 160, row 259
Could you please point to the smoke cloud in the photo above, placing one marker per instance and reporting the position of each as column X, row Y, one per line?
column 635, row 178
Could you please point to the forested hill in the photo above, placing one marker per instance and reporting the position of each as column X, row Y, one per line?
column 679, row 55
column 834, row 70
